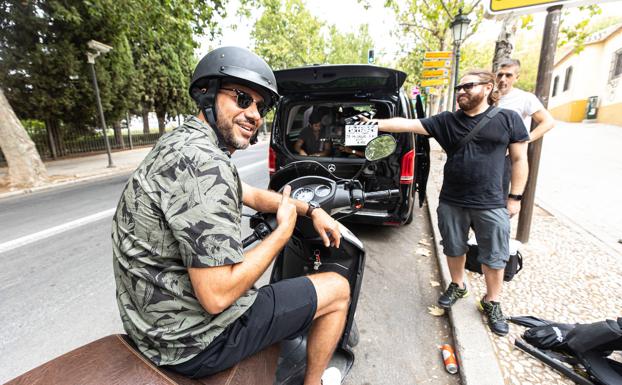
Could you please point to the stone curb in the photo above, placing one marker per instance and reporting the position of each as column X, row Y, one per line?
column 76, row 180
column 476, row 358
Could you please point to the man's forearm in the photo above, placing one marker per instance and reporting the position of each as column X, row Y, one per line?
column 545, row 123
column 401, row 125
column 256, row 261
column 268, row 201
column 540, row 130
column 520, row 172
column 219, row 287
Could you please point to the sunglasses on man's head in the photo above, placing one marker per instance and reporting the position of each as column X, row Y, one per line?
column 468, row 86
column 245, row 100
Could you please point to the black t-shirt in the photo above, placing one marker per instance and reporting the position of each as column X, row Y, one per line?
column 311, row 144
column 473, row 176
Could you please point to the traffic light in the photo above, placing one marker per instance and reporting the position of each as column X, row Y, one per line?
column 370, row 56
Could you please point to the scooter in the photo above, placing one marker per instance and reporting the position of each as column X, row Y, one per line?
column 306, row 254
column 113, row 359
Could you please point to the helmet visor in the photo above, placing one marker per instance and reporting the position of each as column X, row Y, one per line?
column 253, row 80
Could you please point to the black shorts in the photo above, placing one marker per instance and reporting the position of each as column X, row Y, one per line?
column 283, row 310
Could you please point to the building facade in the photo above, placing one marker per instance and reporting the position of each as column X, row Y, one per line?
column 588, row 85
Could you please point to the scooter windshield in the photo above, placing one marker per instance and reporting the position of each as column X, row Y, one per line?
column 296, row 170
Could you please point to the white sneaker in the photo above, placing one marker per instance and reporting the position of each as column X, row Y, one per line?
column 331, row 376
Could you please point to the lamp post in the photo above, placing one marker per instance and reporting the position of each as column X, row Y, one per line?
column 96, row 48
column 459, row 27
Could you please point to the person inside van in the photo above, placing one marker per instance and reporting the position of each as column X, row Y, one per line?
column 311, row 141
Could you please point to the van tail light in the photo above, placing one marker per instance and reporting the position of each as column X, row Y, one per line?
column 408, row 168
column 271, row 161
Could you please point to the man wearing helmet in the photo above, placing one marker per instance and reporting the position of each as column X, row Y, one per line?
column 184, row 284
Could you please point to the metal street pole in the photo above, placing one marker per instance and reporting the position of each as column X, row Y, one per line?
column 456, row 68
column 459, row 27
column 129, row 131
column 543, row 85
column 101, row 114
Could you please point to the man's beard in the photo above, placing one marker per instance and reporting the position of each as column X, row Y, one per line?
column 468, row 101
column 226, row 131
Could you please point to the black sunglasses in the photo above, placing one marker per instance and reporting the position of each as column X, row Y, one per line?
column 245, row 100
column 468, row 86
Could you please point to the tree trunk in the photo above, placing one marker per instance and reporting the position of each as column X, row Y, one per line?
column 55, row 138
column 161, row 122
column 118, row 134
column 145, row 114
column 25, row 166
column 503, row 45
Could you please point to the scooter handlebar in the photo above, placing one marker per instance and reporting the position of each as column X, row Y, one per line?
column 382, row 194
column 260, row 231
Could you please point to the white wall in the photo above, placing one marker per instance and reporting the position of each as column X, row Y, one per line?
column 590, row 76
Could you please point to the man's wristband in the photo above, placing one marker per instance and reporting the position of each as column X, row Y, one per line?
column 312, row 206
column 516, row 197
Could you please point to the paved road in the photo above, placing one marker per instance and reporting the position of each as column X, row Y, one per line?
column 58, row 293
column 580, row 178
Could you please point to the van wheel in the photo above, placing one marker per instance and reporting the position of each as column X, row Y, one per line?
column 353, row 338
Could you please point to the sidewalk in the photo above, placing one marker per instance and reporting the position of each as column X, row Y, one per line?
column 569, row 276
column 74, row 170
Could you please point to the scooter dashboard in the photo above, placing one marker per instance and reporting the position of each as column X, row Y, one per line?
column 315, row 192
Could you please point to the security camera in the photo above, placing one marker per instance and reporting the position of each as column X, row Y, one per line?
column 98, row 47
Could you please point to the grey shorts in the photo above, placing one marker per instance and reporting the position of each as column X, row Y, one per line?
column 492, row 230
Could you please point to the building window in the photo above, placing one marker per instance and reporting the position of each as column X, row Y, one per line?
column 568, row 78
column 617, row 64
column 555, row 85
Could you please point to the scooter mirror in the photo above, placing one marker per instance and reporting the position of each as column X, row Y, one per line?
column 380, row 147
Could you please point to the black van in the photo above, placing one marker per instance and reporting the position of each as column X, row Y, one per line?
column 326, row 98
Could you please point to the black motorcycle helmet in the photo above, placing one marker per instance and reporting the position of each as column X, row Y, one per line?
column 230, row 64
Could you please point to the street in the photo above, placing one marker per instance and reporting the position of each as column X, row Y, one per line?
column 57, row 292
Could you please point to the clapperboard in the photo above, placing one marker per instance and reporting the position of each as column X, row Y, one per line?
column 360, row 133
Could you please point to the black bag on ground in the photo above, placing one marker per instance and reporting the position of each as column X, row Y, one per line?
column 514, row 265
column 584, row 346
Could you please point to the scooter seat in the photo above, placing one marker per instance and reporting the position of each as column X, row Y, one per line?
column 113, row 360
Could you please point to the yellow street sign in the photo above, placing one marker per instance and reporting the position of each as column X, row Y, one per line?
column 435, row 73
column 433, row 91
column 436, row 63
column 437, row 55
column 434, row 82
column 531, row 6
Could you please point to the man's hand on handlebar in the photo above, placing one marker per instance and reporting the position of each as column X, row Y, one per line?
column 327, row 227
column 286, row 213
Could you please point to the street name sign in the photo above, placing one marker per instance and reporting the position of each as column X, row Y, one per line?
column 435, row 73
column 434, row 82
column 436, row 63
column 437, row 55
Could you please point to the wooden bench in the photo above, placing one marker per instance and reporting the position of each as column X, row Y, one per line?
column 113, row 360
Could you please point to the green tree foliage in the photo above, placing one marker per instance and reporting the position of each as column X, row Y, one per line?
column 43, row 61
column 43, row 55
column 350, row 47
column 425, row 25
column 287, row 35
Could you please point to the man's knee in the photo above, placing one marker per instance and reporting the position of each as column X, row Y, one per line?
column 341, row 285
column 332, row 290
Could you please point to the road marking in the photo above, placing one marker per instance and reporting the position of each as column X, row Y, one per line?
column 22, row 241
column 252, row 165
column 27, row 239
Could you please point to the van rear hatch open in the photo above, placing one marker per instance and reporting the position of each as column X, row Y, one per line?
column 334, row 79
